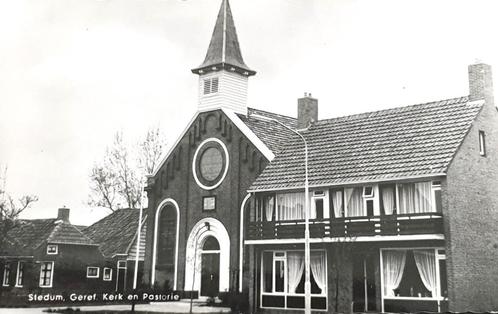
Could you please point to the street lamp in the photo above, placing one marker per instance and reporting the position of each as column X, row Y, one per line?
column 139, row 235
column 208, row 227
column 307, row 279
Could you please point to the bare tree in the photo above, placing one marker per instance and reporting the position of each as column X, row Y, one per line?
column 10, row 209
column 152, row 148
column 116, row 181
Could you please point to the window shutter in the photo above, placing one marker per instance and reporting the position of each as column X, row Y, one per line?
column 207, row 86
column 214, row 85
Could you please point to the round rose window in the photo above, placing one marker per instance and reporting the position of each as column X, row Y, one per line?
column 210, row 164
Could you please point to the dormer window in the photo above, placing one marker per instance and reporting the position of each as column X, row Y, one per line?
column 211, row 85
column 52, row 249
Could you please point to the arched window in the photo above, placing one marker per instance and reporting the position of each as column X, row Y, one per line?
column 167, row 238
column 211, row 244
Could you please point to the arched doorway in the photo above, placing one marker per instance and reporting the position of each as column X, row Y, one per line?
column 208, row 246
column 210, row 267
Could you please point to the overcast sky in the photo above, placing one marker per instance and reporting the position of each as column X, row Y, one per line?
column 73, row 72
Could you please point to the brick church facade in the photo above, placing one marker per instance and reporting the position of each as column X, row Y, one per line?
column 403, row 202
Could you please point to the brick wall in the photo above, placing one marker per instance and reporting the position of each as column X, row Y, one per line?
column 471, row 219
column 178, row 183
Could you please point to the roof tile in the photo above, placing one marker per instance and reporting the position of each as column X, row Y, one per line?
column 401, row 142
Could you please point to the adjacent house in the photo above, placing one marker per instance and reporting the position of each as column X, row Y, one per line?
column 116, row 235
column 48, row 255
column 403, row 204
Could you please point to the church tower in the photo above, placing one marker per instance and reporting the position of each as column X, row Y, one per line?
column 223, row 76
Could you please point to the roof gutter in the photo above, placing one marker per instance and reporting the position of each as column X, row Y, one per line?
column 342, row 183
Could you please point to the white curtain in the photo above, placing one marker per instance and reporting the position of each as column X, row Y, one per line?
column 426, row 265
column 393, row 268
column 415, row 198
column 290, row 206
column 354, row 202
column 423, row 192
column 337, row 203
column 319, row 269
column 269, row 204
column 295, row 265
column 388, row 199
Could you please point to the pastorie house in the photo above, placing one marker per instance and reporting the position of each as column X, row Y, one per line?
column 403, row 202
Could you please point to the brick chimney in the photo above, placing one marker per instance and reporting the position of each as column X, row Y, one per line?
column 481, row 83
column 63, row 214
column 307, row 111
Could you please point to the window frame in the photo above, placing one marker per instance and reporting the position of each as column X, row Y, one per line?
column 6, row 275
column 482, row 143
column 438, row 256
column 435, row 186
column 104, row 274
column 204, row 200
column 331, row 203
column 320, row 195
column 285, row 294
column 92, row 267
column 210, row 85
column 49, row 252
column 51, row 274
column 20, row 274
column 121, row 267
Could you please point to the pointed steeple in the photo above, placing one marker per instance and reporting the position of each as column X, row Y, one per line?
column 224, row 50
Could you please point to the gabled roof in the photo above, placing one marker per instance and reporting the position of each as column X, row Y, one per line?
column 412, row 141
column 28, row 234
column 272, row 134
column 65, row 233
column 224, row 49
column 257, row 131
column 115, row 232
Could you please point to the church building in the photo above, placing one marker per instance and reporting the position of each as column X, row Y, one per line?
column 402, row 203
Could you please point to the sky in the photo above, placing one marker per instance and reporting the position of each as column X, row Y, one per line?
column 74, row 72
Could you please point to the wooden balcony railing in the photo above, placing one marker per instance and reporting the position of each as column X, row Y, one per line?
column 404, row 224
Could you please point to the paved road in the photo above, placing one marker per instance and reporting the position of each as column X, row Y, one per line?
column 167, row 307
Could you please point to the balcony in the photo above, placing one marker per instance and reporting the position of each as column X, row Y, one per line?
column 349, row 227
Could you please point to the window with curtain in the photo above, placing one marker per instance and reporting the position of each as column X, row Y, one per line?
column 411, row 273
column 265, row 208
column 337, row 203
column 290, row 206
column 354, row 202
column 415, row 198
column 388, row 199
column 283, row 276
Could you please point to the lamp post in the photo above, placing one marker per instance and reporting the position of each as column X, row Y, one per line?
column 307, row 276
column 139, row 235
column 208, row 227
column 137, row 251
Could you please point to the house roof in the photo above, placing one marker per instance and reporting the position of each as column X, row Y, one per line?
column 224, row 49
column 115, row 232
column 272, row 134
column 64, row 233
column 28, row 234
column 417, row 140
